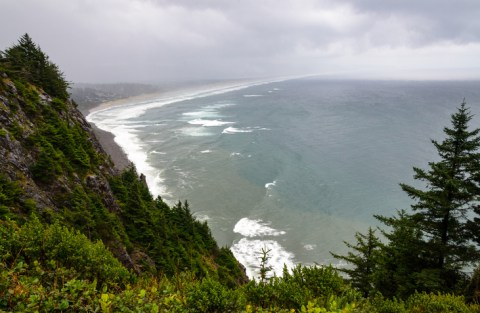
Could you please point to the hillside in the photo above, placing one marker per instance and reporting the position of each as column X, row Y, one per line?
column 53, row 167
column 76, row 234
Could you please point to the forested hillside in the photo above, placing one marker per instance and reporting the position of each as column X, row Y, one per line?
column 77, row 235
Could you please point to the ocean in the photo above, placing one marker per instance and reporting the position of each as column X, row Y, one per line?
column 294, row 167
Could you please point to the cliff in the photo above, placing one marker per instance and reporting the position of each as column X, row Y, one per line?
column 53, row 167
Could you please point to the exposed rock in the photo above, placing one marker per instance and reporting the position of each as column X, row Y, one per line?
column 18, row 156
column 101, row 187
column 143, row 263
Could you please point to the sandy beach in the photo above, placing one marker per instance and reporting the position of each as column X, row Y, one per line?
column 107, row 139
column 174, row 94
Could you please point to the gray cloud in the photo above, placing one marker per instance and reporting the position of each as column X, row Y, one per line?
column 154, row 40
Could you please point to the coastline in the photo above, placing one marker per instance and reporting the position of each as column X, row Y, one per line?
column 107, row 139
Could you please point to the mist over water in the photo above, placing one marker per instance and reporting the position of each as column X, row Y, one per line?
column 294, row 167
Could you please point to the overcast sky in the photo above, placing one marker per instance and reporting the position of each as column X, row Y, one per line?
column 165, row 40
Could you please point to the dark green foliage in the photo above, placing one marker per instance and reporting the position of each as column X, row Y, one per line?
column 472, row 291
column 12, row 203
column 429, row 249
column 59, row 246
column 442, row 209
column 401, row 263
column 365, row 261
column 59, row 104
column 16, row 130
column 437, row 303
column 10, row 192
column 29, row 96
column 62, row 262
column 229, row 271
column 48, row 165
column 26, row 61
column 171, row 236
column 211, row 296
column 299, row 287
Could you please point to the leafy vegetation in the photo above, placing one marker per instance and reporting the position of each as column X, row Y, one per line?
column 27, row 62
column 92, row 240
column 432, row 248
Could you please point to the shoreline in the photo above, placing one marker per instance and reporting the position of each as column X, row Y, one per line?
column 107, row 139
column 123, row 144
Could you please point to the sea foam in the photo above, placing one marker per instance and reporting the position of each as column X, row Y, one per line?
column 255, row 228
column 248, row 250
column 271, row 185
column 208, row 123
column 233, row 130
column 118, row 121
column 249, row 253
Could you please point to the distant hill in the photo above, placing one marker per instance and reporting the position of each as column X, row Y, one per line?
column 90, row 95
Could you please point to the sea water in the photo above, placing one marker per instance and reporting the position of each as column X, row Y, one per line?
column 292, row 167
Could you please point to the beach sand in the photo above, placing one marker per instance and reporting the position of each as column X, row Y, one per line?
column 107, row 139
column 116, row 153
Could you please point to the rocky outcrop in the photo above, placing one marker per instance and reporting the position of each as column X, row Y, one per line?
column 18, row 154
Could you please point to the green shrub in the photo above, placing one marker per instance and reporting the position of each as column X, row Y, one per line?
column 438, row 303
column 30, row 97
column 48, row 165
column 64, row 247
column 16, row 130
column 10, row 193
column 211, row 296
column 59, row 104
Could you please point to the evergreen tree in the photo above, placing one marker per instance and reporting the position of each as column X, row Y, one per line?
column 365, row 262
column 401, row 260
column 441, row 211
column 27, row 61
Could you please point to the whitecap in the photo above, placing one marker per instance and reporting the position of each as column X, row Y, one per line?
column 195, row 132
column 270, row 185
column 235, row 154
column 252, row 96
column 249, row 253
column 202, row 114
column 255, row 228
column 233, row 130
column 217, row 106
column 157, row 152
column 206, row 151
column 115, row 118
column 208, row 123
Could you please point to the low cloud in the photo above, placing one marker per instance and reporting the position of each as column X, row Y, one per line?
column 150, row 41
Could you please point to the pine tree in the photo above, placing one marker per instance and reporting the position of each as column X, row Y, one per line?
column 441, row 210
column 365, row 262
column 401, row 260
column 27, row 61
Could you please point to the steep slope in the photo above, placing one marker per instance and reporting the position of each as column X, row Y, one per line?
column 52, row 166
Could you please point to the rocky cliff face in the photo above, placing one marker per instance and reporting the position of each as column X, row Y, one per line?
column 52, row 165
column 26, row 113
